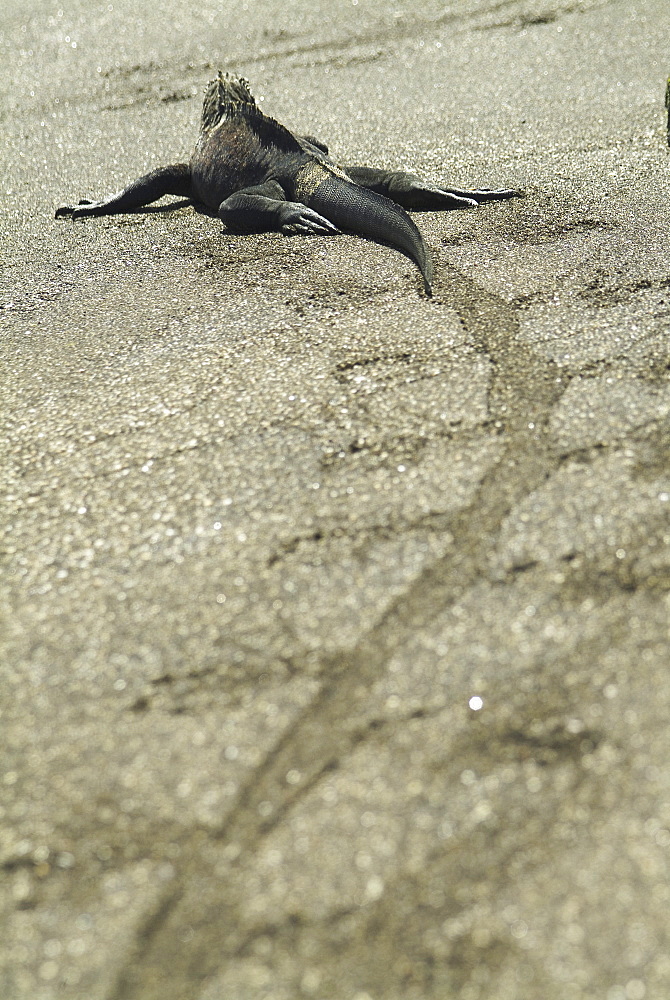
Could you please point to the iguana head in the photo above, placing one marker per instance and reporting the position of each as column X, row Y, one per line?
column 225, row 96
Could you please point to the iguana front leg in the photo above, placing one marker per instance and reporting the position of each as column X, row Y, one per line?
column 264, row 206
column 411, row 192
column 175, row 179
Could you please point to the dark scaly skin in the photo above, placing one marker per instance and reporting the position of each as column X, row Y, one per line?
column 258, row 176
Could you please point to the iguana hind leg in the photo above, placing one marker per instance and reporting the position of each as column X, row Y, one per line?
column 175, row 179
column 411, row 192
column 264, row 206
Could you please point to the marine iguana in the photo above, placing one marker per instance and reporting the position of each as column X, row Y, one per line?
column 259, row 176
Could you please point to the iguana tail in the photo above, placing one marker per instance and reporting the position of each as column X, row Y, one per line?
column 369, row 214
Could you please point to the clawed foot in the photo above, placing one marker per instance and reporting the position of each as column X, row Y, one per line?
column 297, row 218
column 482, row 194
column 84, row 207
column 435, row 198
